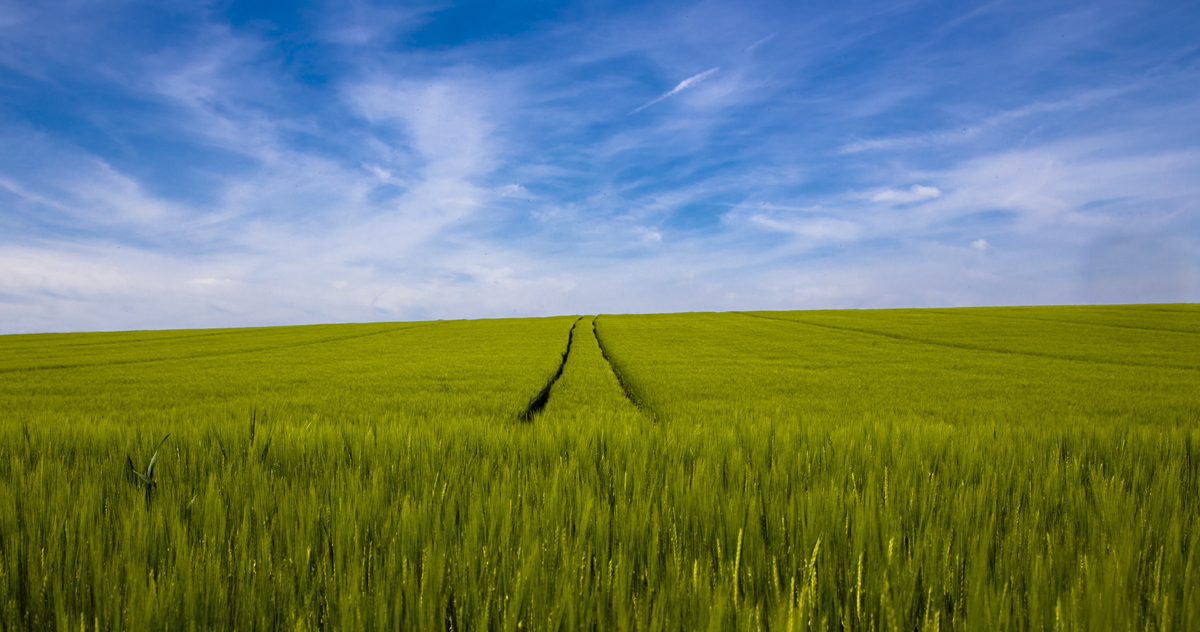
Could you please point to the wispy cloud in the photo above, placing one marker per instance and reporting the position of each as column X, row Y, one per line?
column 761, row 42
column 989, row 123
column 364, row 163
column 683, row 85
column 819, row 228
column 916, row 193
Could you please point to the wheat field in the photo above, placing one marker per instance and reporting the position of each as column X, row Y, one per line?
column 951, row 469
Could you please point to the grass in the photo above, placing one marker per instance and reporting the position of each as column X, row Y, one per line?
column 1013, row 469
column 958, row 367
column 406, row 373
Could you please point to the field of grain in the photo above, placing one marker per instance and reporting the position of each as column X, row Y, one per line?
column 956, row 469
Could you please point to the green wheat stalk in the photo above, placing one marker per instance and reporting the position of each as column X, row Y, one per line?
column 147, row 479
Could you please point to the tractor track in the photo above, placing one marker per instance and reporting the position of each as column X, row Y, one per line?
column 970, row 347
column 205, row 356
column 625, row 388
column 539, row 402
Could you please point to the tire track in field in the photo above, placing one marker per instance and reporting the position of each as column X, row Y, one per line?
column 543, row 397
column 1067, row 322
column 625, row 388
column 967, row 347
column 202, row 356
column 149, row 337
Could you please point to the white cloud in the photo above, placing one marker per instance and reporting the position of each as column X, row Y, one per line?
column 761, row 42
column 981, row 245
column 649, row 235
column 683, row 85
column 358, row 23
column 63, row 274
column 1072, row 184
column 915, row 194
column 816, row 228
column 972, row 131
column 209, row 284
column 68, row 185
column 513, row 190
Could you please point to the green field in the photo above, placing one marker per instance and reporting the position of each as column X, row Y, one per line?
column 1027, row 468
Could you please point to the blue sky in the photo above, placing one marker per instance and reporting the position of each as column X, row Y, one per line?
column 172, row 165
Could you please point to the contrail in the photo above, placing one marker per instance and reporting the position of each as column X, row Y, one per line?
column 761, row 42
column 683, row 85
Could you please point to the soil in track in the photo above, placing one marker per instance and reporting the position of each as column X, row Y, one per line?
column 587, row 388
